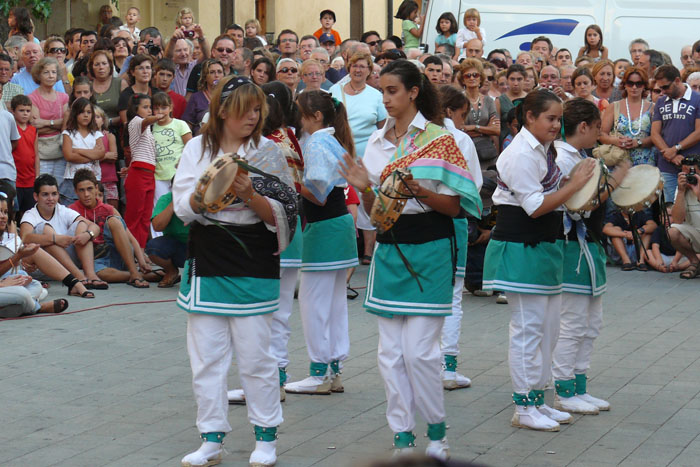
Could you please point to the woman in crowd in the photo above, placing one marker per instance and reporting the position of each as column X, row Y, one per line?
column 530, row 82
column 515, row 77
column 222, row 315
column 55, row 47
column 48, row 108
column 411, row 301
column 198, row 105
column 527, row 230
column 489, row 88
column 482, row 119
column 312, row 75
column 140, row 73
column 288, row 73
column 262, row 71
column 604, row 79
column 582, row 80
column 121, row 53
column 106, row 88
column 627, row 122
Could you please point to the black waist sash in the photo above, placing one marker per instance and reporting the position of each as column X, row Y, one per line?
column 514, row 225
column 216, row 253
column 334, row 207
column 419, row 228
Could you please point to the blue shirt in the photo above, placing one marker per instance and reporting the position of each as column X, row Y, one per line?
column 24, row 79
column 364, row 110
column 677, row 117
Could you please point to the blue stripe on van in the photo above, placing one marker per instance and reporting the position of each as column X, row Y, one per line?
column 561, row 26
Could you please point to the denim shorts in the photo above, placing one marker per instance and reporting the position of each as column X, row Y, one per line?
column 167, row 247
column 112, row 259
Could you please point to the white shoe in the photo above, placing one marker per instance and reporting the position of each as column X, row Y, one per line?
column 208, row 454
column 560, row 417
column 600, row 403
column 501, row 299
column 236, row 397
column 403, row 452
column 310, row 385
column 574, row 404
column 438, row 449
column 454, row 380
column 337, row 383
column 265, row 454
column 530, row 417
column 482, row 293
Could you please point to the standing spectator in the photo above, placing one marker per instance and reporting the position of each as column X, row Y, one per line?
column 542, row 46
column 482, row 120
column 327, row 19
column 121, row 54
column 306, row 45
column 253, row 30
column 235, row 32
column 198, row 105
column 515, row 94
column 242, row 61
column 474, row 49
column 327, row 41
column 637, row 48
column 88, row 39
column 593, row 44
column 562, row 57
column 164, row 74
column 105, row 17
column 181, row 50
column 604, row 78
column 313, row 78
column 447, row 32
column 287, row 42
column 106, row 88
column 108, row 167
column 687, row 57
column 650, row 61
column 263, row 71
column 133, row 16
column 411, row 32
column 372, row 39
column 675, row 126
column 20, row 24
column 31, row 54
column 288, row 73
column 222, row 50
column 55, row 46
column 140, row 74
column 72, row 39
column 48, row 109
column 433, row 69
column 582, row 79
column 9, row 139
column 472, row 28
column 24, row 153
column 9, row 90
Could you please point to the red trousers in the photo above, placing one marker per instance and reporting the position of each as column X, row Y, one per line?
column 139, row 187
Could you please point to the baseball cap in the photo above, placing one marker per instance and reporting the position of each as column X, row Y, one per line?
column 326, row 37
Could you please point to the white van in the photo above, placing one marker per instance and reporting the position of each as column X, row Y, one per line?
column 666, row 25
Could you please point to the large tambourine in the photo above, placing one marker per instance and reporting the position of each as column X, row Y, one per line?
column 5, row 253
column 587, row 198
column 639, row 189
column 390, row 200
column 214, row 189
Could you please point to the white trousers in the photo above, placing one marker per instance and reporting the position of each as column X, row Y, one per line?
column 279, row 326
column 211, row 341
column 449, row 341
column 323, row 304
column 581, row 321
column 409, row 361
column 534, row 329
column 162, row 187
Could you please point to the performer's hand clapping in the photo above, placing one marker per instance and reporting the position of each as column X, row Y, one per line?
column 354, row 172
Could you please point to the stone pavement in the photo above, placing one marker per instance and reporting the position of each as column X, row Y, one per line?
column 112, row 386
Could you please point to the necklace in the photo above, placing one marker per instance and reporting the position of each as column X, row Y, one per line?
column 397, row 136
column 476, row 115
column 355, row 91
column 629, row 118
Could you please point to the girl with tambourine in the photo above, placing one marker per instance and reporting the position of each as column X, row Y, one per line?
column 525, row 255
column 411, row 277
column 329, row 245
column 584, row 278
column 231, row 279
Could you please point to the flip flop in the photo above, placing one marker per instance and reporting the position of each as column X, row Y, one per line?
column 98, row 284
column 62, row 304
column 366, row 260
column 135, row 283
column 170, row 283
column 628, row 267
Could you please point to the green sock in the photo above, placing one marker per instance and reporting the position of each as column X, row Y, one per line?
column 565, row 388
column 581, row 384
column 450, row 363
column 436, row 431
column 404, row 439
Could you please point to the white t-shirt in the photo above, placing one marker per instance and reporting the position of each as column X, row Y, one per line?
column 464, row 35
column 80, row 142
column 63, row 220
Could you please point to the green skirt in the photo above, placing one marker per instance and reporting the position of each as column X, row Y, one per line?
column 514, row 267
column 577, row 270
column 291, row 257
column 228, row 296
column 329, row 245
column 461, row 238
column 392, row 291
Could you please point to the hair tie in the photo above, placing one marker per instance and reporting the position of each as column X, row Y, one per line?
column 563, row 135
column 336, row 103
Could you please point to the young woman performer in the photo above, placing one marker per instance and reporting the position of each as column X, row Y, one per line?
column 329, row 248
column 228, row 289
column 455, row 107
column 412, row 272
column 525, row 257
column 584, row 269
column 282, row 112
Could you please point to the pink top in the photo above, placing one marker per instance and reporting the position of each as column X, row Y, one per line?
column 109, row 170
column 142, row 144
column 49, row 110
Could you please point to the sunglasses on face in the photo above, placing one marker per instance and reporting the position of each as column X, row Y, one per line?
column 635, row 84
column 665, row 87
column 656, row 91
column 490, row 78
column 58, row 50
column 372, row 43
column 287, row 70
column 471, row 75
column 686, row 57
column 224, row 49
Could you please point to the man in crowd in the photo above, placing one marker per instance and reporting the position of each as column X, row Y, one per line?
column 543, row 47
column 562, row 57
column 550, row 79
column 637, row 48
column 164, row 74
column 180, row 50
column 8, row 90
column 433, row 69
column 565, row 72
column 327, row 41
column 687, row 57
column 151, row 43
column 474, row 49
column 373, row 40
column 72, row 39
column 306, row 45
column 242, row 61
column 235, row 32
column 288, row 42
column 222, row 49
column 31, row 53
column 685, row 231
column 650, row 60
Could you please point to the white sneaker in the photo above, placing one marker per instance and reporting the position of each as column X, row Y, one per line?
column 453, row 380
column 310, row 385
column 337, row 383
column 236, row 397
column 501, row 299
column 560, row 417
column 530, row 417
column 438, row 449
column 402, row 452
column 208, row 454
column 574, row 404
column 265, row 454
column 482, row 293
column 600, row 403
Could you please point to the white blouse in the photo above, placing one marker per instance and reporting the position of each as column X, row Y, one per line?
column 466, row 145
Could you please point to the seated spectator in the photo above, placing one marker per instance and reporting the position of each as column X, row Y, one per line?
column 662, row 256
column 168, row 250
column 685, row 232
column 618, row 228
column 115, row 247
column 62, row 232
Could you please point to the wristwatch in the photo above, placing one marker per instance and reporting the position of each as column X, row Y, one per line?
column 92, row 235
column 51, row 123
column 639, row 143
column 678, row 147
column 477, row 127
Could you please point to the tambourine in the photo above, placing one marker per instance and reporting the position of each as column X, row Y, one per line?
column 642, row 185
column 214, row 189
column 586, row 199
column 390, row 200
column 5, row 253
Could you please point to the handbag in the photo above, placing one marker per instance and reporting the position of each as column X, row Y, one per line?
column 485, row 148
column 50, row 147
column 611, row 154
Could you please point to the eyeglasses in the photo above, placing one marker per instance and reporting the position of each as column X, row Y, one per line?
column 287, row 70
column 224, row 49
column 490, row 78
column 359, row 67
column 635, row 84
column 313, row 74
column 686, row 57
column 472, row 75
column 372, row 43
column 656, row 91
column 665, row 87
column 58, row 50
column 282, row 41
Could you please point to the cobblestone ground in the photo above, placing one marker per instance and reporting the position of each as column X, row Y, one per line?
column 111, row 386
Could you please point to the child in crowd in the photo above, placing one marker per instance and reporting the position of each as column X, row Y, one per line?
column 254, row 30
column 327, row 19
column 82, row 87
column 164, row 75
column 82, row 147
column 472, row 28
column 662, row 256
column 105, row 17
column 447, row 32
column 593, row 44
column 621, row 65
column 140, row 181
column 410, row 31
column 185, row 19
column 108, row 164
column 512, row 124
column 24, row 154
column 133, row 16
column 618, row 227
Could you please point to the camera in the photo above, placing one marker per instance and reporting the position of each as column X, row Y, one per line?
column 692, row 176
column 152, row 49
column 188, row 34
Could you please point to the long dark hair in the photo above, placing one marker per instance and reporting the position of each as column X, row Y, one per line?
column 410, row 76
column 76, row 109
column 405, row 9
column 536, row 102
column 281, row 108
column 577, row 111
column 453, row 23
column 334, row 115
column 451, row 98
column 132, row 110
column 23, row 22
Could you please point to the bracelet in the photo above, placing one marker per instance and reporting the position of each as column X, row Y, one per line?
column 250, row 199
column 368, row 189
column 11, row 263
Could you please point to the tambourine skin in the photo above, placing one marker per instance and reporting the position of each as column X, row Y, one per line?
column 224, row 194
column 639, row 189
column 586, row 199
column 390, row 201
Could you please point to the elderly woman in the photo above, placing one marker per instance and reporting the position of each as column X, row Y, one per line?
column 312, row 77
column 198, row 105
column 106, row 88
column 627, row 122
column 530, row 82
column 262, row 71
column 55, row 47
column 693, row 81
column 48, row 107
column 482, row 122
column 604, row 78
column 288, row 73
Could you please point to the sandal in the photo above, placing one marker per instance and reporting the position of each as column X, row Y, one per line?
column 60, row 305
column 166, row 284
column 70, row 281
column 691, row 272
column 642, row 267
column 352, row 294
column 138, row 283
column 99, row 284
column 366, row 260
column 628, row 267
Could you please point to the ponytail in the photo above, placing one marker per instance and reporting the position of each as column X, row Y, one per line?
column 342, row 129
column 334, row 115
column 427, row 101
